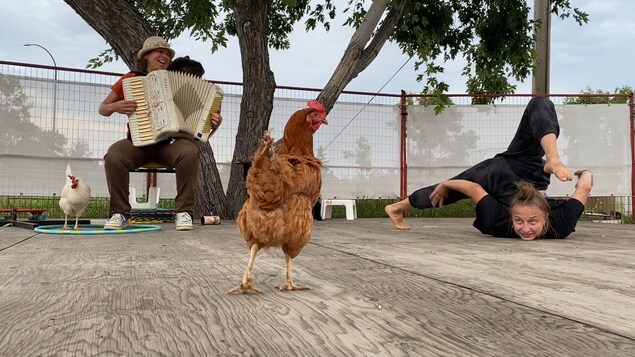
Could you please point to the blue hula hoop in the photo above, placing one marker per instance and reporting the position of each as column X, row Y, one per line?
column 86, row 229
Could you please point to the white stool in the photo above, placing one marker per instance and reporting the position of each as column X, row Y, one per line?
column 327, row 205
column 153, row 198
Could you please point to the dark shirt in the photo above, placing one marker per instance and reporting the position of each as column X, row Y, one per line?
column 493, row 217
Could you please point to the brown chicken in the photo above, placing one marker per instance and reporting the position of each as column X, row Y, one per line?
column 283, row 187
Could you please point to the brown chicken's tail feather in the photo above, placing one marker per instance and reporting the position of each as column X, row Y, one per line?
column 268, row 179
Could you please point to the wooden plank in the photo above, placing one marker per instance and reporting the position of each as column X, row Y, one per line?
column 587, row 277
column 376, row 292
column 10, row 236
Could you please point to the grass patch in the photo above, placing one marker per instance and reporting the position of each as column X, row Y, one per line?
column 97, row 207
column 366, row 208
column 374, row 208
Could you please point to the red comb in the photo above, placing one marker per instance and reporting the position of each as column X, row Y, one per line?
column 317, row 105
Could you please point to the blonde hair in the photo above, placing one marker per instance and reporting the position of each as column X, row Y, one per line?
column 528, row 195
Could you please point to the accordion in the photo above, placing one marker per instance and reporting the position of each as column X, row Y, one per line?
column 171, row 104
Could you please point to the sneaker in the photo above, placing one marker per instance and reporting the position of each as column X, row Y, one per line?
column 183, row 221
column 117, row 221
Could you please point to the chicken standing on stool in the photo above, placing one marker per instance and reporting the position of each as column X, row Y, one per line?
column 74, row 197
column 283, row 187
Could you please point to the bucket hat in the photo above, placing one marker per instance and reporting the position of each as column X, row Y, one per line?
column 153, row 43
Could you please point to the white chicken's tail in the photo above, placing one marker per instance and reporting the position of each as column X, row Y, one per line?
column 68, row 170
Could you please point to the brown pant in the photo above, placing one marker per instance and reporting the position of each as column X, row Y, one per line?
column 122, row 156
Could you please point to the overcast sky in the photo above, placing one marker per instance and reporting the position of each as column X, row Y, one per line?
column 599, row 54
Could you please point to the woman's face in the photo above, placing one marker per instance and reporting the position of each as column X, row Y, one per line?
column 528, row 221
column 157, row 59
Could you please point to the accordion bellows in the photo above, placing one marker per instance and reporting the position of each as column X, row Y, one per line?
column 171, row 104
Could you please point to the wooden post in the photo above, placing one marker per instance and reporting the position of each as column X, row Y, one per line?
column 542, row 15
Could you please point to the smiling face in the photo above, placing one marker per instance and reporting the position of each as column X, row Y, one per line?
column 157, row 59
column 528, row 221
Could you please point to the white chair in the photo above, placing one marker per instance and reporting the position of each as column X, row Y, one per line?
column 152, row 202
column 327, row 206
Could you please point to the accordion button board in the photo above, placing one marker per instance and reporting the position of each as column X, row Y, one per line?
column 171, row 104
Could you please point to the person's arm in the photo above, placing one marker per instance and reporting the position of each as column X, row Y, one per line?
column 468, row 188
column 584, row 185
column 112, row 103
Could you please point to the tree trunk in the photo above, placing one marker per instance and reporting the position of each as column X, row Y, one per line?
column 210, row 198
column 258, row 89
column 360, row 53
column 118, row 22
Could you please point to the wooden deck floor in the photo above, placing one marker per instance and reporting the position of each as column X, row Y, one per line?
column 441, row 289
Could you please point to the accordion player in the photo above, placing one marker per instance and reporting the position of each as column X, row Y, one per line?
column 171, row 104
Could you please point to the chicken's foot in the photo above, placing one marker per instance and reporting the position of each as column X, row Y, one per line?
column 288, row 284
column 246, row 284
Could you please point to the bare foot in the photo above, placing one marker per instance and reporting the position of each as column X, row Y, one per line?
column 556, row 167
column 396, row 216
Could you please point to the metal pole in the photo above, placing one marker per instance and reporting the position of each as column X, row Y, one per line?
column 55, row 80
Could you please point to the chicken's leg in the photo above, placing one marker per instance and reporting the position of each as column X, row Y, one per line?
column 76, row 223
column 65, row 222
column 289, row 285
column 246, row 284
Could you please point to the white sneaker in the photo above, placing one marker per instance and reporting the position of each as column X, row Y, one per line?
column 183, row 221
column 117, row 221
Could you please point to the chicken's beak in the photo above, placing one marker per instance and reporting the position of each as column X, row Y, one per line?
column 324, row 121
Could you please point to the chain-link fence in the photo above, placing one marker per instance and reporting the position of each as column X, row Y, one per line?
column 50, row 123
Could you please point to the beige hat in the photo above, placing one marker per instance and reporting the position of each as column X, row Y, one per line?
column 152, row 43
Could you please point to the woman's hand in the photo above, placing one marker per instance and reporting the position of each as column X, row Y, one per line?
column 124, row 106
column 588, row 181
column 217, row 119
column 439, row 194
column 583, row 186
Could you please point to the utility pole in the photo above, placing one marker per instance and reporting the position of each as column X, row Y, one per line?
column 541, row 77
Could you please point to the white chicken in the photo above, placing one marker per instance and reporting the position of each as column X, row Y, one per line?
column 74, row 198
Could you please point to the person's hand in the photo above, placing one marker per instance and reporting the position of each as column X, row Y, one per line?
column 579, row 174
column 439, row 194
column 124, row 106
column 217, row 119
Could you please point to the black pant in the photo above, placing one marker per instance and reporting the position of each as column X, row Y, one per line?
column 523, row 159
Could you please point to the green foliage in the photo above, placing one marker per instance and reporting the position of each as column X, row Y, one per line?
column 374, row 208
column 97, row 207
column 366, row 208
column 599, row 96
column 106, row 56
column 495, row 37
column 214, row 21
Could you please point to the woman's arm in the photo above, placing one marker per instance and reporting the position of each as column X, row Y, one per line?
column 584, row 185
column 112, row 103
column 468, row 188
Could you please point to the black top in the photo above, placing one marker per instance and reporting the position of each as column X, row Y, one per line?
column 493, row 217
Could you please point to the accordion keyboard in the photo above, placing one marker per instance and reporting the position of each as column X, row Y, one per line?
column 140, row 121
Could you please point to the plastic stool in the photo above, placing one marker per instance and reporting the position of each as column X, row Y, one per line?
column 327, row 205
column 153, row 198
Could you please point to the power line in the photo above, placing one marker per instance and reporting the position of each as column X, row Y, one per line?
column 365, row 105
